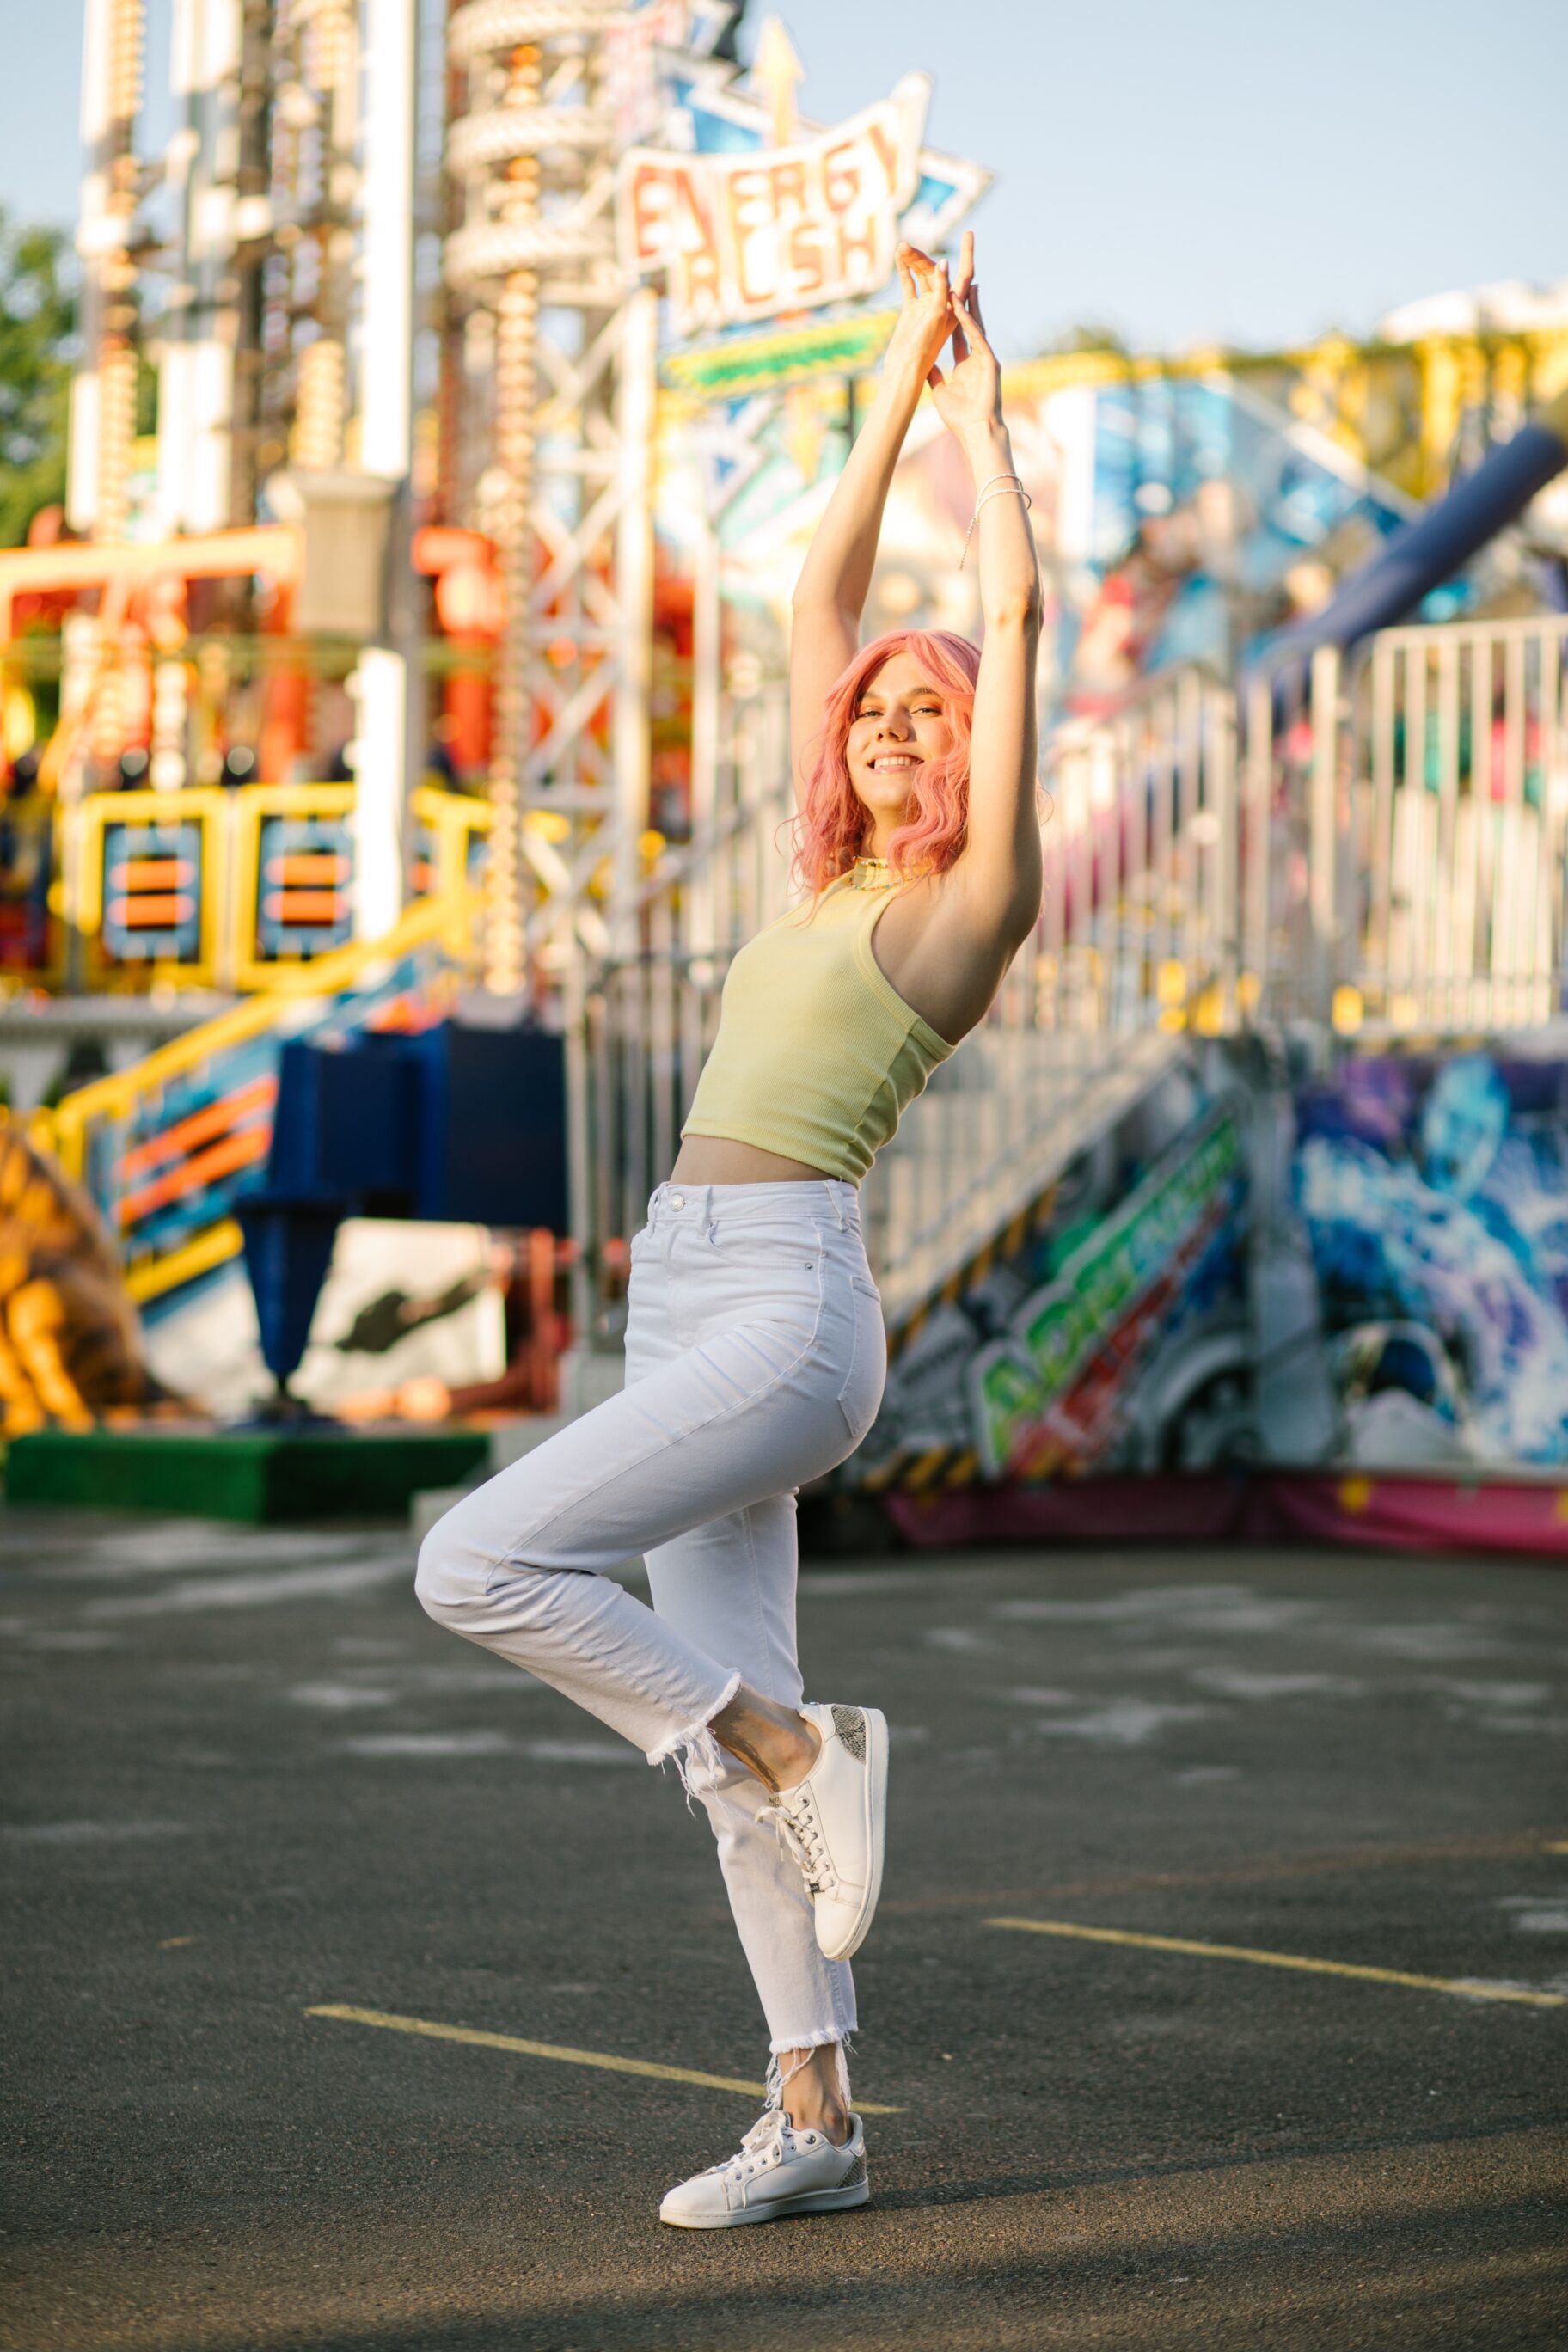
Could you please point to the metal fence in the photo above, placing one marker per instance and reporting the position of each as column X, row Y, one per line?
column 642, row 1019
column 1405, row 831
column 1452, row 910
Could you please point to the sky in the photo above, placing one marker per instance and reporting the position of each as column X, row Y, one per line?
column 1181, row 171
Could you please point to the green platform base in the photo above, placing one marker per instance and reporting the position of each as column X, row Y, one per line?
column 257, row 1477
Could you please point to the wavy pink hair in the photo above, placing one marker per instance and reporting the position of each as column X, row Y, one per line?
column 834, row 823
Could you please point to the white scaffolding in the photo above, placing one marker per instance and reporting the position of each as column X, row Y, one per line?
column 563, row 351
column 283, row 221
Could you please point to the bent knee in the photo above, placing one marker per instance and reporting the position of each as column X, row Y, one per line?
column 450, row 1577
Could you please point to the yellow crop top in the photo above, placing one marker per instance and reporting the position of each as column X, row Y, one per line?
column 817, row 1054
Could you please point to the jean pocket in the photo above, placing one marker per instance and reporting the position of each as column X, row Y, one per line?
column 861, row 1393
column 765, row 1247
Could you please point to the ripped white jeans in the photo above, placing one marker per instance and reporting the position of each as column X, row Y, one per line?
column 755, row 1360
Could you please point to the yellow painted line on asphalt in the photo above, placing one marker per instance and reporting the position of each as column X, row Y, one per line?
column 172, row 1943
column 1465, row 1991
column 434, row 2032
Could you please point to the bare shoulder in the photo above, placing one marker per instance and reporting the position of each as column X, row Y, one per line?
column 944, row 948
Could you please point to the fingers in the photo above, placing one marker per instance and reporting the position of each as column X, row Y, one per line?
column 971, row 327
column 965, row 283
column 918, row 269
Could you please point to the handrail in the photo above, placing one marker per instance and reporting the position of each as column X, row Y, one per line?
column 1073, row 733
column 272, row 548
column 222, row 948
column 1470, row 631
column 685, row 863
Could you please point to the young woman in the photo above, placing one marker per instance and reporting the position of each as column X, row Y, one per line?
column 755, row 1356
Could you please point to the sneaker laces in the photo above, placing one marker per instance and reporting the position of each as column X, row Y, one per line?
column 797, row 1824
column 769, row 2125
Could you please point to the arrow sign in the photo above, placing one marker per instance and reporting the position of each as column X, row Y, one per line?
column 778, row 73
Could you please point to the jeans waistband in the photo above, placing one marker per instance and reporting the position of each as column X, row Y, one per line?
column 809, row 1198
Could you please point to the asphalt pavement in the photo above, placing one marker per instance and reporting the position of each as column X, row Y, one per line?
column 1220, row 1986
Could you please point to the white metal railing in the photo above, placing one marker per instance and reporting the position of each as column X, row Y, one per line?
column 1405, row 831
column 647, row 1015
column 1458, row 801
column 1136, row 943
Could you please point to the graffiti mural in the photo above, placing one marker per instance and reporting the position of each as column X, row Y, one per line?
column 1435, row 1199
column 1114, row 1335
column 1367, row 1272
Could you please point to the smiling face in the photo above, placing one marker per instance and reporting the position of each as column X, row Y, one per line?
column 900, row 722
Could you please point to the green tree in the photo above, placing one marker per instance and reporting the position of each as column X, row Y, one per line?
column 1087, row 335
column 37, row 315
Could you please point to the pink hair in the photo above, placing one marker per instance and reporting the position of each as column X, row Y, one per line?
column 834, row 823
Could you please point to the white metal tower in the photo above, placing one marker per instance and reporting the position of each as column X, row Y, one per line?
column 559, row 350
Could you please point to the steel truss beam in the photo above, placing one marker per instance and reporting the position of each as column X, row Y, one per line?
column 560, row 389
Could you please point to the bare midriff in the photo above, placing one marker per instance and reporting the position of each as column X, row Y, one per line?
column 719, row 1159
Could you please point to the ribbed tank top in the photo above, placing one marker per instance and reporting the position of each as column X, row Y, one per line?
column 817, row 1054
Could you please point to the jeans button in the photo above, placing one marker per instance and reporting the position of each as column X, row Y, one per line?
column 678, row 1200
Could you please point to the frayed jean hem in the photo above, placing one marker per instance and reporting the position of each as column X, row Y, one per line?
column 698, row 1735
column 778, row 2081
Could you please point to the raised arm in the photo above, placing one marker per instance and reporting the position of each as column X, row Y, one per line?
column 835, row 578
column 948, row 953
column 998, row 873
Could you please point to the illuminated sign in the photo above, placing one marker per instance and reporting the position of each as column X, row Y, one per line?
column 745, row 236
column 742, row 364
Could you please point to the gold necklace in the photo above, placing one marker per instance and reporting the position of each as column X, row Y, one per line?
column 873, row 874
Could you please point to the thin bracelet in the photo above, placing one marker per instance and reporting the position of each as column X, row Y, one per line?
column 1011, row 487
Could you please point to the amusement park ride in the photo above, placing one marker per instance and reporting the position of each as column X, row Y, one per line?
column 398, row 281
column 400, row 313
column 370, row 694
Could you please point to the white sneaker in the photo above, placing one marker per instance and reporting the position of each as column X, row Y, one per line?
column 835, row 1820
column 776, row 2171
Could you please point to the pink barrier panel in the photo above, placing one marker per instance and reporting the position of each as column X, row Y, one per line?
column 1372, row 1512
column 1204, row 1508
column 1395, row 1514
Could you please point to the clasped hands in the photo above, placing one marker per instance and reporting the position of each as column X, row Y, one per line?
column 935, row 311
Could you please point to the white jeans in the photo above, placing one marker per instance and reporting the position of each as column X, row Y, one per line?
column 755, row 1360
